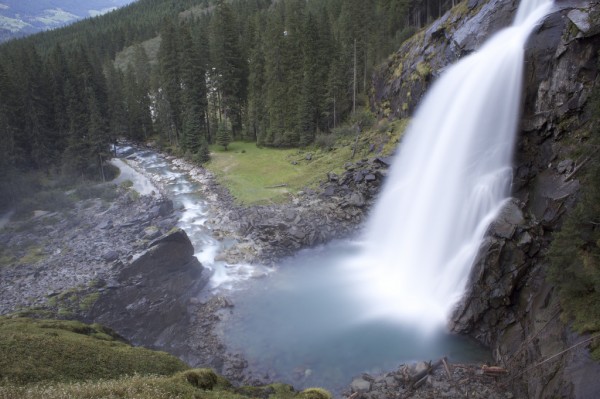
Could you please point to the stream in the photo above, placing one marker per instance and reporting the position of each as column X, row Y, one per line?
column 304, row 321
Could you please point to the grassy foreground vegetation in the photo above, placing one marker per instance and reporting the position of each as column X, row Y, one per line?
column 256, row 175
column 57, row 359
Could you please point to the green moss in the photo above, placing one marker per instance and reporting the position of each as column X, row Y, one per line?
column 88, row 301
column 423, row 70
column 34, row 254
column 127, row 184
column 315, row 393
column 398, row 70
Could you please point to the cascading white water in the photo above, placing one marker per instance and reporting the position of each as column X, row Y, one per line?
column 448, row 181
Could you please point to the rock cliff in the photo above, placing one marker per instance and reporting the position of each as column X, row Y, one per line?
column 510, row 306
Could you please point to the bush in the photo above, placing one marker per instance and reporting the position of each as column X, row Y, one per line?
column 315, row 393
column 325, row 141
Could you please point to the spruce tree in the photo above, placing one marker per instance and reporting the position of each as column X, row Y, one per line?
column 169, row 76
column 229, row 61
column 223, row 136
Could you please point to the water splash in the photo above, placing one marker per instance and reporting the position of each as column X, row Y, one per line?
column 450, row 178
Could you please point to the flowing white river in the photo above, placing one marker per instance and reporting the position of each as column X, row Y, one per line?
column 449, row 179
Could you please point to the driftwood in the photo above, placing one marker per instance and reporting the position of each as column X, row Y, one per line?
column 445, row 363
column 494, row 371
column 420, row 378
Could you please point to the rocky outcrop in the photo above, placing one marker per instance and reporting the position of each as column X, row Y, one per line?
column 148, row 299
column 400, row 83
column 510, row 306
column 270, row 232
column 54, row 259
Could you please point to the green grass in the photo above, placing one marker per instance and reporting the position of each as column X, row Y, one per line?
column 182, row 385
column 251, row 174
column 33, row 351
column 57, row 359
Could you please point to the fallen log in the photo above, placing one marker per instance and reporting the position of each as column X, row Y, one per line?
column 445, row 362
column 494, row 371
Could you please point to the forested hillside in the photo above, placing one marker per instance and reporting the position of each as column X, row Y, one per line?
column 20, row 18
column 276, row 72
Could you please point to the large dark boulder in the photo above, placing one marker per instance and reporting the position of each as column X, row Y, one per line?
column 148, row 302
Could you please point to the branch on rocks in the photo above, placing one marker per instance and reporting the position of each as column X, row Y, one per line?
column 570, row 175
column 494, row 371
column 420, row 378
column 445, row 363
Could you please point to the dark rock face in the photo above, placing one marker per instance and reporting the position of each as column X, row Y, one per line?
column 400, row 84
column 149, row 301
column 510, row 306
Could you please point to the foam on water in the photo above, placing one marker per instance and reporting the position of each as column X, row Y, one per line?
column 193, row 219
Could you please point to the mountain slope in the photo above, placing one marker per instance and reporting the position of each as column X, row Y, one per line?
column 24, row 17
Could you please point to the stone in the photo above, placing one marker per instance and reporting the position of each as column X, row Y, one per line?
column 152, row 232
column 565, row 166
column 308, row 157
column 110, row 256
column 357, row 199
column 360, row 385
column 581, row 19
column 105, row 225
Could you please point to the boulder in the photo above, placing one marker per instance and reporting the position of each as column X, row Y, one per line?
column 147, row 301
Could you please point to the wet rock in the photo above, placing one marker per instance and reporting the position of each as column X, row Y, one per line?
column 110, row 256
column 360, row 385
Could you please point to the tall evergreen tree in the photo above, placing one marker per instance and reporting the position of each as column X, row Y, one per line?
column 170, row 80
column 257, row 111
column 194, row 95
column 231, row 70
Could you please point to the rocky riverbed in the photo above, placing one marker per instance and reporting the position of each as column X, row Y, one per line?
column 122, row 262
column 77, row 250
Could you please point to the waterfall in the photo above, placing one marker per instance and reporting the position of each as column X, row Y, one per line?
column 450, row 178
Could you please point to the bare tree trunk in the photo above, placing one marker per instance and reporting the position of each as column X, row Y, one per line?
column 354, row 83
column 334, row 113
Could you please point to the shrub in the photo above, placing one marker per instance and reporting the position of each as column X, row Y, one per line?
column 315, row 393
column 325, row 141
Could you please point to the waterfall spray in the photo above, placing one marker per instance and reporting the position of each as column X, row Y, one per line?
column 450, row 178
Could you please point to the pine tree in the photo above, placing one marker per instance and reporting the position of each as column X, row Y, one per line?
column 229, row 61
column 257, row 121
column 117, row 103
column 169, row 77
column 193, row 95
column 223, row 136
